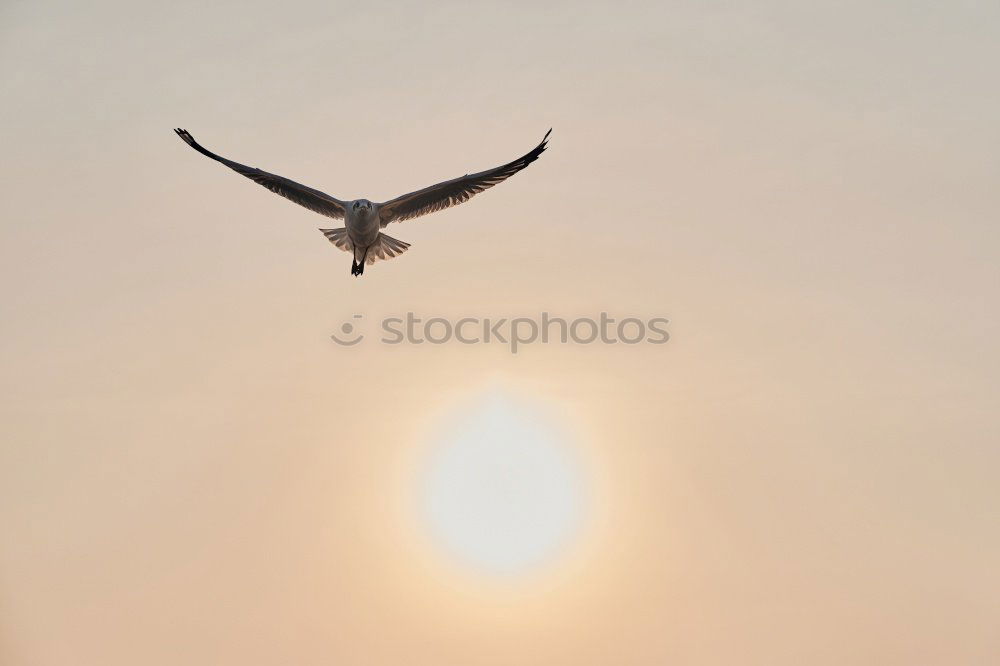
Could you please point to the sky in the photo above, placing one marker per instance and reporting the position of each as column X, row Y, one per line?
column 191, row 470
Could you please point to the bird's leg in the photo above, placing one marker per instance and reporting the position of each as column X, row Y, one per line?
column 354, row 268
column 361, row 266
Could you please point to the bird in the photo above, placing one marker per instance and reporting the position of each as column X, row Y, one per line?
column 364, row 220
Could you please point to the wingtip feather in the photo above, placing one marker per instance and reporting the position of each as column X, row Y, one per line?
column 185, row 135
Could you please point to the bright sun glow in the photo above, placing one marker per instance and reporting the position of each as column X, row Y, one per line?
column 502, row 491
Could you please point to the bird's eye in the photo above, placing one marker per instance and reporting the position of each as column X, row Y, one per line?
column 355, row 205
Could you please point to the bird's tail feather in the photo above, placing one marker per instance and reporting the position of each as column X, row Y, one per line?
column 384, row 248
column 339, row 238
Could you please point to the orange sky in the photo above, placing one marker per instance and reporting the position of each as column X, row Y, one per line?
column 191, row 471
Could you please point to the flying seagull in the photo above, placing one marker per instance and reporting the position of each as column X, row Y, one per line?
column 363, row 219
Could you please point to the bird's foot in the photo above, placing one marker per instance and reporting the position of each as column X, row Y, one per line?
column 354, row 269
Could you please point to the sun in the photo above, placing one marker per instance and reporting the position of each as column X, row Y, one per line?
column 502, row 491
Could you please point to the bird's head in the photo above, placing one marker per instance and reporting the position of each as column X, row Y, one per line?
column 362, row 206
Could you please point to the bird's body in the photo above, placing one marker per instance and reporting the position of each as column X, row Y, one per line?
column 363, row 228
column 364, row 220
column 362, row 224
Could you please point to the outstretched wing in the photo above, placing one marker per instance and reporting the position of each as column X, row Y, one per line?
column 314, row 200
column 456, row 191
